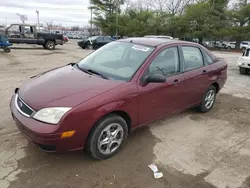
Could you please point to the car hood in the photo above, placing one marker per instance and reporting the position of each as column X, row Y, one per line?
column 64, row 82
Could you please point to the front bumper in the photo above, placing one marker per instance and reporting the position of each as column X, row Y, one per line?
column 47, row 137
column 244, row 65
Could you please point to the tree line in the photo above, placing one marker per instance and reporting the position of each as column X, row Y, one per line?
column 202, row 19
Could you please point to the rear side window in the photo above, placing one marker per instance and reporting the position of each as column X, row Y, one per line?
column 99, row 39
column 192, row 57
column 106, row 39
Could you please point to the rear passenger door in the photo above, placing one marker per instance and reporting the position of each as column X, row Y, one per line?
column 196, row 74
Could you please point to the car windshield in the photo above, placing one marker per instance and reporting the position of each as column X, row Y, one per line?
column 116, row 60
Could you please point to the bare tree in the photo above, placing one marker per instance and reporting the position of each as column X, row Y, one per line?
column 22, row 17
column 171, row 6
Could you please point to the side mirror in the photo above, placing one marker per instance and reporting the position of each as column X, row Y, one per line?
column 154, row 78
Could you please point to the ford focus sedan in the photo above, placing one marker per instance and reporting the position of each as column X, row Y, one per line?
column 94, row 104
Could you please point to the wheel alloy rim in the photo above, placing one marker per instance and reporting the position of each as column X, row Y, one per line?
column 110, row 139
column 209, row 99
column 50, row 45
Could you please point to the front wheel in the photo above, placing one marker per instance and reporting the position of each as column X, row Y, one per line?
column 107, row 137
column 89, row 47
column 243, row 70
column 208, row 99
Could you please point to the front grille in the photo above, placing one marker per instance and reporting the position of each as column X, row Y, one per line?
column 22, row 107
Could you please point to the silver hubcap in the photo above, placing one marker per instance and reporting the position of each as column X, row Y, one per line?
column 209, row 100
column 110, row 139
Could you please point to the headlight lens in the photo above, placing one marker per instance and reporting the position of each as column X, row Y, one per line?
column 51, row 115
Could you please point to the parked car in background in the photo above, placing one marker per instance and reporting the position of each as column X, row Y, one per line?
column 230, row 45
column 244, row 62
column 94, row 42
column 159, row 36
column 28, row 34
column 65, row 39
column 95, row 103
column 245, row 45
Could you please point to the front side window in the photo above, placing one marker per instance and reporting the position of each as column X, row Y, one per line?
column 117, row 60
column 166, row 62
column 192, row 57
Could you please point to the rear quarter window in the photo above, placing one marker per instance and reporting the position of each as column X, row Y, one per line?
column 207, row 58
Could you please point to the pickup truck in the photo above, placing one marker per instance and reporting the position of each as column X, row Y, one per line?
column 28, row 34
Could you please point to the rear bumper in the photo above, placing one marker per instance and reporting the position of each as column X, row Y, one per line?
column 46, row 137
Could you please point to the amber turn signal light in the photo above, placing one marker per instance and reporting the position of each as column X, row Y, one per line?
column 67, row 134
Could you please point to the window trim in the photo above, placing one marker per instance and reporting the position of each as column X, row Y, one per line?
column 184, row 63
column 179, row 57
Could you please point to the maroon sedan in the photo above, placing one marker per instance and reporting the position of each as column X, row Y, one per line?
column 95, row 103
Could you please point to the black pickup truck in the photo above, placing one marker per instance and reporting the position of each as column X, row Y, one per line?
column 28, row 34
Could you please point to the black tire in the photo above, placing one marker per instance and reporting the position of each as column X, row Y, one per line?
column 6, row 49
column 203, row 107
column 243, row 70
column 50, row 45
column 92, row 142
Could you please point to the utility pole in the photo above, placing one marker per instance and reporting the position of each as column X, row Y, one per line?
column 91, row 19
column 38, row 21
column 117, row 9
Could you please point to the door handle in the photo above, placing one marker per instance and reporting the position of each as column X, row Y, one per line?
column 176, row 81
column 204, row 72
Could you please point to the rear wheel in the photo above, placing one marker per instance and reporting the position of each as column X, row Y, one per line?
column 107, row 137
column 6, row 49
column 208, row 99
column 50, row 45
column 243, row 70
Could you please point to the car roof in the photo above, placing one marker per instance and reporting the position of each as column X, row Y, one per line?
column 153, row 41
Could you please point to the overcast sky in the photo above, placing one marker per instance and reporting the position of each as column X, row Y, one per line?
column 66, row 12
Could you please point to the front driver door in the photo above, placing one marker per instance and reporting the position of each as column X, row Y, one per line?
column 159, row 99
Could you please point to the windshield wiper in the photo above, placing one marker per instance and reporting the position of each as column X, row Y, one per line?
column 90, row 71
column 97, row 73
column 84, row 70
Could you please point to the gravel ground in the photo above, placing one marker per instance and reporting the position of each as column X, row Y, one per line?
column 191, row 149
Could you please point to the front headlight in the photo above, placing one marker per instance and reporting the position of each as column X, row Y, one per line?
column 51, row 115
